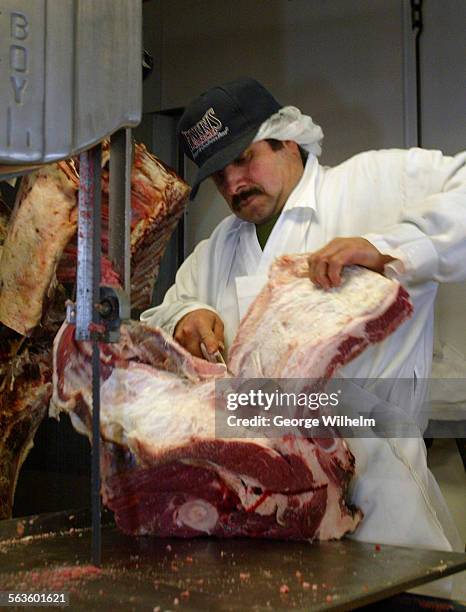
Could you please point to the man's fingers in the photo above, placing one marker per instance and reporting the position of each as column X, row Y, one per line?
column 319, row 263
column 188, row 341
column 325, row 265
column 330, row 249
column 210, row 341
column 328, row 274
column 196, row 327
column 210, row 332
column 335, row 267
column 194, row 348
column 318, row 274
column 219, row 333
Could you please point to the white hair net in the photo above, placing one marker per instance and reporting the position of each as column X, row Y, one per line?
column 290, row 124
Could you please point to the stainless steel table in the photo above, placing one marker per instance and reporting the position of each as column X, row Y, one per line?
column 146, row 573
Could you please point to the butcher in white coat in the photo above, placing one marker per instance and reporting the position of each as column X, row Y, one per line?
column 401, row 213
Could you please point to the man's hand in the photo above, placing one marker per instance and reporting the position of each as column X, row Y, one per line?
column 325, row 265
column 198, row 326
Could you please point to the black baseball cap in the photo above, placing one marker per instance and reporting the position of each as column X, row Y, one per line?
column 217, row 126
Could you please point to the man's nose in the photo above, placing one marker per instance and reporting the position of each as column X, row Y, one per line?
column 234, row 179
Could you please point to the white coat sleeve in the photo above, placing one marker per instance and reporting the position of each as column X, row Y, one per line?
column 429, row 241
column 182, row 297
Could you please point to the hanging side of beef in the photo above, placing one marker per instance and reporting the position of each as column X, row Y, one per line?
column 296, row 330
column 158, row 200
column 25, row 391
column 26, row 361
column 5, row 213
column 43, row 221
column 41, row 235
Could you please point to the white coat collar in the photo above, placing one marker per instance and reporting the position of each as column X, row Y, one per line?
column 304, row 194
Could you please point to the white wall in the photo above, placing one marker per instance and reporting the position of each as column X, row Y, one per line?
column 444, row 127
column 327, row 56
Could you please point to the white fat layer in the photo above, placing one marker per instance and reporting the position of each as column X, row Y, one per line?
column 156, row 409
column 316, row 314
column 159, row 409
column 197, row 514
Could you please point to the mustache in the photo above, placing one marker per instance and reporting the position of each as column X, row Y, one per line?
column 238, row 198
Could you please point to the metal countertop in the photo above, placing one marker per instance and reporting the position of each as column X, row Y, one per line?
column 147, row 573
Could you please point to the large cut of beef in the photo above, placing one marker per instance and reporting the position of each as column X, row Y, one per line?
column 35, row 239
column 165, row 472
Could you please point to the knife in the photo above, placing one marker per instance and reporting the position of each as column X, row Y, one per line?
column 216, row 357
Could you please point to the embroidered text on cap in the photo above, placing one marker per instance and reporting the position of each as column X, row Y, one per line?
column 206, row 131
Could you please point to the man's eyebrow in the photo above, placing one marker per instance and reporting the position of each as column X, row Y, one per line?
column 218, row 173
column 242, row 154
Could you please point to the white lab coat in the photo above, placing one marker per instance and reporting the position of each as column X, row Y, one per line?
column 410, row 205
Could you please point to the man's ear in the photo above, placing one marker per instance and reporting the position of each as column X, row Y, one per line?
column 292, row 149
column 291, row 146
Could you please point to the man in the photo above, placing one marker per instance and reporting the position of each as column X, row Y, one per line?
column 400, row 213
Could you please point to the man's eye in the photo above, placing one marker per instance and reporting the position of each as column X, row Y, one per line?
column 244, row 158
